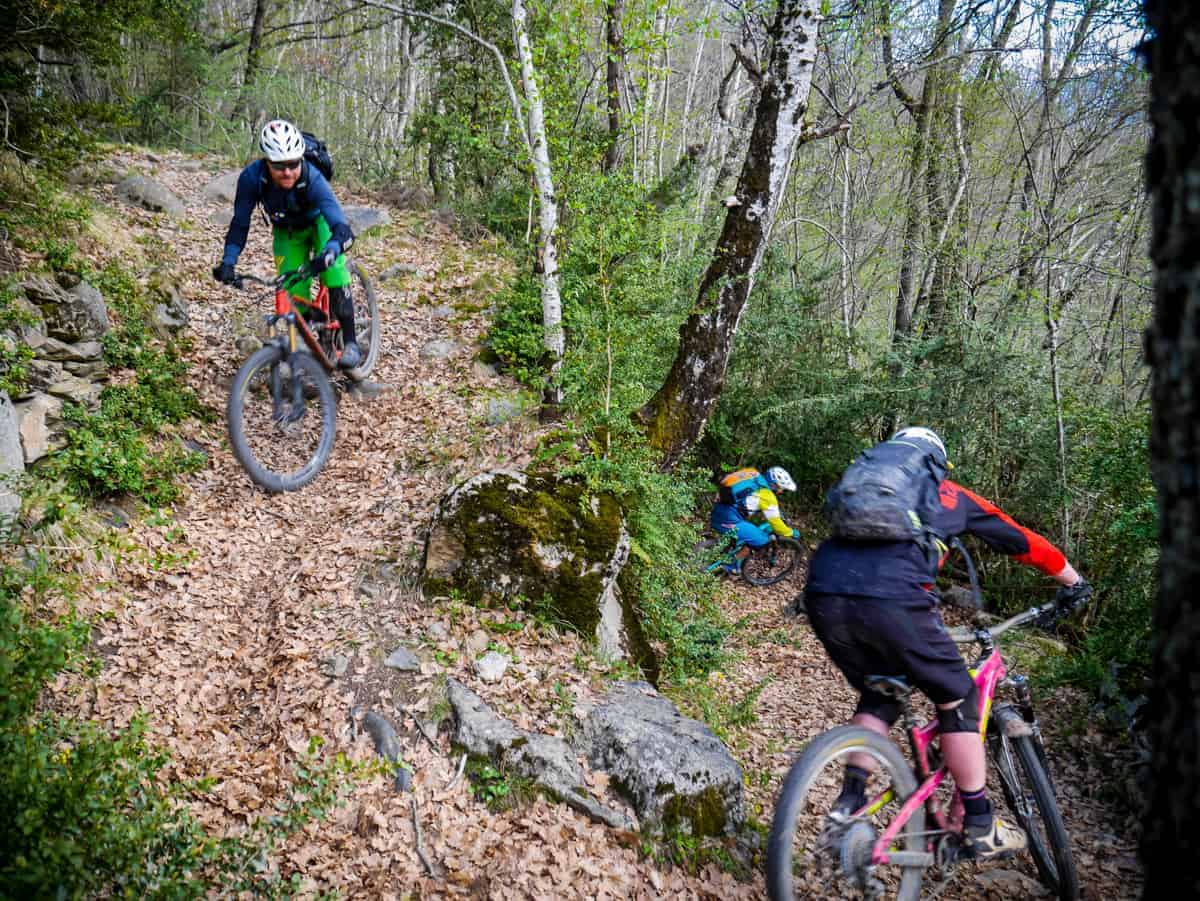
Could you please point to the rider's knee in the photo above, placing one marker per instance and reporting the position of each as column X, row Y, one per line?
column 964, row 717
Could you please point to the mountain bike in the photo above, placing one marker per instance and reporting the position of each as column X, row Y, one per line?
column 766, row 565
column 913, row 823
column 282, row 409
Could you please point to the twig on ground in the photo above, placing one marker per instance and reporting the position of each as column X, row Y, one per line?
column 420, row 843
column 420, row 727
column 462, row 765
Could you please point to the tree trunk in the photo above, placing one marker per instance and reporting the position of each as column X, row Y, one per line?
column 615, row 38
column 675, row 417
column 1171, row 835
column 552, row 327
column 253, row 60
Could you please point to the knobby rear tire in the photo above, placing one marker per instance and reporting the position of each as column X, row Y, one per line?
column 787, row 553
column 818, row 755
column 1030, row 795
column 366, row 314
column 269, row 359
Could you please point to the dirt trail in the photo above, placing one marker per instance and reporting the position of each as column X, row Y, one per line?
column 222, row 622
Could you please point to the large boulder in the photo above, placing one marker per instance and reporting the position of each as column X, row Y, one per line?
column 548, row 761
column 531, row 538
column 223, row 188
column 364, row 218
column 170, row 315
column 12, row 464
column 674, row 770
column 41, row 426
column 145, row 192
column 77, row 314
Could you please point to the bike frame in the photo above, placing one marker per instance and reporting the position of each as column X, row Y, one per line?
column 285, row 310
column 988, row 675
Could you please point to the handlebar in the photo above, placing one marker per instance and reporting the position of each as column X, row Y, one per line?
column 1045, row 615
column 282, row 281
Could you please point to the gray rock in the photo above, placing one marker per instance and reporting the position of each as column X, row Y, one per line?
column 76, row 390
column 438, row 631
column 476, row 643
column 247, row 344
column 387, row 745
column 223, row 188
column 404, row 660
column 74, row 315
column 547, row 760
column 673, row 769
column 442, row 312
column 438, row 350
column 149, row 194
column 1011, row 884
column 41, row 374
column 170, row 315
column 335, row 665
column 12, row 464
column 368, row 390
column 364, row 218
column 501, row 409
column 96, row 371
column 400, row 269
column 409, row 197
column 81, row 352
column 491, row 666
column 222, row 217
column 191, row 165
column 483, row 370
column 41, row 427
column 31, row 329
column 192, row 446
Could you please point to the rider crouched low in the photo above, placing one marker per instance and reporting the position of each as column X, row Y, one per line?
column 306, row 222
column 744, row 493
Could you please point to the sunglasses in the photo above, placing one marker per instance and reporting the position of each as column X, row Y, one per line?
column 285, row 165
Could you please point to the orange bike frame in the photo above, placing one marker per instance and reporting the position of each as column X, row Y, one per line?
column 284, row 307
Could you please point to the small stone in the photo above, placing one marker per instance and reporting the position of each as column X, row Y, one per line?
column 369, row 390
column 477, row 643
column 442, row 312
column 335, row 665
column 501, row 409
column 247, row 344
column 438, row 350
column 400, row 269
column 491, row 666
column 483, row 370
column 403, row 659
column 438, row 631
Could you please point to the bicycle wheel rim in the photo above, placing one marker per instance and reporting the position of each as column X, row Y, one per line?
column 281, row 441
column 808, row 856
column 1031, row 800
column 772, row 563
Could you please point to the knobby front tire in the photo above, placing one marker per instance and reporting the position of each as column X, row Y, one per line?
column 1030, row 795
column 282, row 445
column 367, row 326
column 805, row 859
column 772, row 562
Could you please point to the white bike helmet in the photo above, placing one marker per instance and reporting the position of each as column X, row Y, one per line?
column 920, row 433
column 779, row 478
column 281, row 140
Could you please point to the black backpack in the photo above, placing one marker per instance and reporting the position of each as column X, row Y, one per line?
column 890, row 493
column 317, row 154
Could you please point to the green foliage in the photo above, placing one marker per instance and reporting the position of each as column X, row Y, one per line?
column 496, row 788
column 120, row 448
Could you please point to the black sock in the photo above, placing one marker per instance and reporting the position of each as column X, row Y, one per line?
column 854, row 783
column 977, row 808
column 342, row 307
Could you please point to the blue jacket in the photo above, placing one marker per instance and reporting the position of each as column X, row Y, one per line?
column 293, row 210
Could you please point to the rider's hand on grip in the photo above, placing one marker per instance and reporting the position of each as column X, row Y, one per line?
column 1072, row 597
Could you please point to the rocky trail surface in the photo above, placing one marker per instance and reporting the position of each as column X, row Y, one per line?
column 245, row 624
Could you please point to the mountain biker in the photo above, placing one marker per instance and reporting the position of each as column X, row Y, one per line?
column 306, row 221
column 872, row 605
column 743, row 493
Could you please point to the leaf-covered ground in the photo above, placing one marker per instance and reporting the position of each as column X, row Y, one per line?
column 224, row 620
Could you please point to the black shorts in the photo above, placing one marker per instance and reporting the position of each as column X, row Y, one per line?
column 889, row 637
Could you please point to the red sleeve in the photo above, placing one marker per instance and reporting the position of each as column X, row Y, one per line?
column 1001, row 532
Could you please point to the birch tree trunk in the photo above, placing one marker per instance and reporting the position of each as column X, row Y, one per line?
column 676, row 415
column 554, row 341
column 1171, row 828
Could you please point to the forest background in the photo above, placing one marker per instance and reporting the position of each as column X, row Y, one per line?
column 962, row 242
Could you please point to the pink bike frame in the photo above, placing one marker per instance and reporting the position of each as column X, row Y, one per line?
column 987, row 677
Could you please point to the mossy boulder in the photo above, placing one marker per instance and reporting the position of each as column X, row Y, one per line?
column 540, row 541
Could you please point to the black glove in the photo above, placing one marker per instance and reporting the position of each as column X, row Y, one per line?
column 324, row 259
column 223, row 272
column 1072, row 597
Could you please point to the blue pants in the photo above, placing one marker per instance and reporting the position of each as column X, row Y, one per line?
column 747, row 532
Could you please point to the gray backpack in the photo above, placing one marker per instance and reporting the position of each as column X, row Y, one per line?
column 890, row 493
